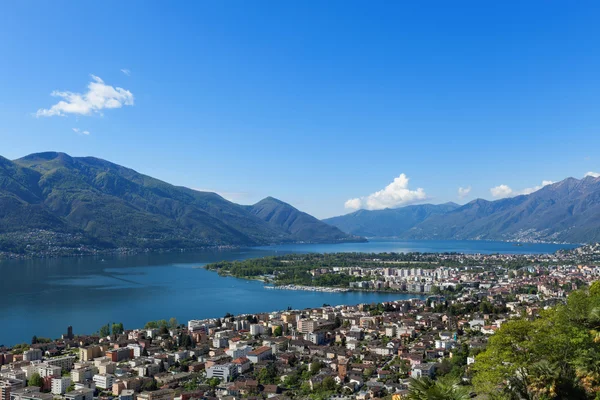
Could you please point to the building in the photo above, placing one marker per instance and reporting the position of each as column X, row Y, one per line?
column 6, row 358
column 15, row 374
column 4, row 391
column 84, row 373
column 257, row 329
column 307, row 325
column 137, row 349
column 60, row 385
column 65, row 362
column 46, row 370
column 126, row 394
column 120, row 354
column 80, row 394
column 317, row 338
column 163, row 394
column 238, row 350
column 69, row 334
column 90, row 352
column 104, row 381
column 225, row 372
column 260, row 354
column 30, row 393
column 32, row 355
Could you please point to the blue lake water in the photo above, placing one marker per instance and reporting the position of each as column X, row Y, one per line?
column 42, row 297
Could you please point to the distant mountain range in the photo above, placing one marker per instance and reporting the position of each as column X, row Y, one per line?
column 566, row 211
column 390, row 222
column 89, row 201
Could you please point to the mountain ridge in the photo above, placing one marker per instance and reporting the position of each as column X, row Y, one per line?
column 94, row 200
column 565, row 211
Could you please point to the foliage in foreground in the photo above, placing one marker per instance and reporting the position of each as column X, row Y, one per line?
column 556, row 356
column 445, row 388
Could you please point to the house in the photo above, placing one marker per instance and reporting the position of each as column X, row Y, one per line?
column 260, row 354
column 423, row 370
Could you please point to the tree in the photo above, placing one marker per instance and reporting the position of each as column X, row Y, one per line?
column 278, row 331
column 36, row 380
column 34, row 339
column 315, row 367
column 149, row 385
column 214, row 382
column 328, row 384
column 441, row 389
column 553, row 356
column 117, row 329
column 173, row 323
column 104, row 330
column 268, row 375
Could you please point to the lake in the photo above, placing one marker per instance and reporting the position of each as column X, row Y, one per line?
column 42, row 297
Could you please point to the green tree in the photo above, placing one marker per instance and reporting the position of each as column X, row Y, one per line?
column 278, row 331
column 173, row 323
column 442, row 389
column 268, row 375
column 214, row 382
column 553, row 356
column 117, row 329
column 36, row 380
column 149, row 385
column 104, row 330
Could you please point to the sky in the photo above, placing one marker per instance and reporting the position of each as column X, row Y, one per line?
column 330, row 106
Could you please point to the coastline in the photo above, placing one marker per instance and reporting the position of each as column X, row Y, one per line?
column 324, row 289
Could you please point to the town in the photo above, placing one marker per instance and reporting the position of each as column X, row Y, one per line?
column 338, row 352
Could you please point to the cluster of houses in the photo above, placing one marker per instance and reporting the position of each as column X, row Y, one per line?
column 366, row 351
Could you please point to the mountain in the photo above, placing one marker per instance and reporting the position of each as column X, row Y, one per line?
column 389, row 222
column 93, row 201
column 566, row 211
column 300, row 225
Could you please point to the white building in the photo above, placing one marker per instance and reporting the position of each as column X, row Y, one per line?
column 257, row 329
column 46, row 370
column 237, row 350
column 225, row 372
column 137, row 349
column 60, row 385
column 104, row 381
column 65, row 362
column 32, row 355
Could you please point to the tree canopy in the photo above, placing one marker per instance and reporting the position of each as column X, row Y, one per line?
column 555, row 356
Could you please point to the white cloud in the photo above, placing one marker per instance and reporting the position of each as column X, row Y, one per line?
column 126, row 71
column 464, row 192
column 395, row 194
column 80, row 132
column 592, row 174
column 98, row 97
column 502, row 191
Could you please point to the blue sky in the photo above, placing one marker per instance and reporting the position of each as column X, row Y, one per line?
column 320, row 104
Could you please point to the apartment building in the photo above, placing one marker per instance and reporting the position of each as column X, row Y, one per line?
column 225, row 372
column 60, row 385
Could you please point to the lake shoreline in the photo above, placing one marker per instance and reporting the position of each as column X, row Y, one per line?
column 7, row 256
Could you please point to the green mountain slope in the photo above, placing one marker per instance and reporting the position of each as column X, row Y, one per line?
column 390, row 222
column 299, row 224
column 117, row 206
